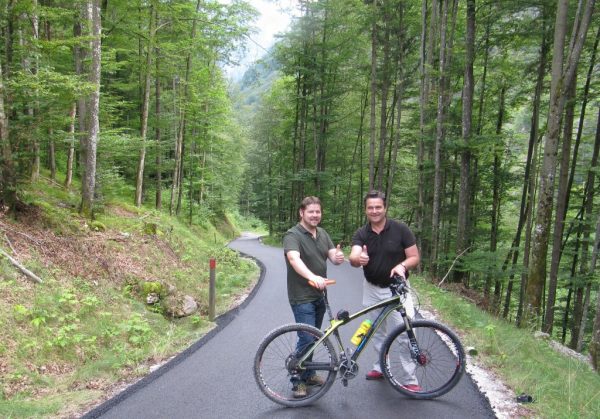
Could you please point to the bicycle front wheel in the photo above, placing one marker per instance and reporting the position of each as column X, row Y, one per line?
column 427, row 366
column 276, row 367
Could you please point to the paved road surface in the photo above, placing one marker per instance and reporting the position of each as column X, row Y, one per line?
column 213, row 378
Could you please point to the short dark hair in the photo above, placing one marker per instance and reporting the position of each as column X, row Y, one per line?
column 309, row 200
column 374, row 194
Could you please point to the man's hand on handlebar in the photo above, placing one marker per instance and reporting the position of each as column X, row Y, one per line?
column 399, row 284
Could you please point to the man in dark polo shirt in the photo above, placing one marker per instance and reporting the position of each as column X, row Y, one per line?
column 384, row 248
column 307, row 248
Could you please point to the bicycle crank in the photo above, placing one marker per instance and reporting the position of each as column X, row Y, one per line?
column 349, row 370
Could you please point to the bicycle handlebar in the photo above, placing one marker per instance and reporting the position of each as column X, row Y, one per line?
column 399, row 284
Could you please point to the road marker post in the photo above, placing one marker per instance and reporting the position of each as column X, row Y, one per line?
column 212, row 290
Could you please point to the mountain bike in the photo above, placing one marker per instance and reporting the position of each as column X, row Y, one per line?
column 430, row 350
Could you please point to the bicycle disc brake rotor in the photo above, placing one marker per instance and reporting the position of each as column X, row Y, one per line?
column 418, row 354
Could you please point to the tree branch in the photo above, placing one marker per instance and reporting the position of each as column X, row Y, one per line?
column 22, row 268
column 451, row 266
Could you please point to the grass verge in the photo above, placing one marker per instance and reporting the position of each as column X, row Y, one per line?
column 562, row 386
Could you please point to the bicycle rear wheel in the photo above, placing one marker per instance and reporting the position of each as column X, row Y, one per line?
column 430, row 372
column 275, row 364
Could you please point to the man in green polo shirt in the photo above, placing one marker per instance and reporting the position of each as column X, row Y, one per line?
column 307, row 247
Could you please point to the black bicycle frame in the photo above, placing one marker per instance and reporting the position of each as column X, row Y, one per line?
column 389, row 305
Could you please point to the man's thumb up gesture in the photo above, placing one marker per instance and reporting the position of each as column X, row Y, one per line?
column 364, row 256
column 339, row 255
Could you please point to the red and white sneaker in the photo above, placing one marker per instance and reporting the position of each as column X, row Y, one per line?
column 374, row 375
column 412, row 387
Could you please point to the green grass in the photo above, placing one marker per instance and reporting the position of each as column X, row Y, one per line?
column 563, row 387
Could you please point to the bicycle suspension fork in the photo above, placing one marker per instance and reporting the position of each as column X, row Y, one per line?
column 415, row 351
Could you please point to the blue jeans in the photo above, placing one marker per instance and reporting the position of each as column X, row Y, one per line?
column 311, row 313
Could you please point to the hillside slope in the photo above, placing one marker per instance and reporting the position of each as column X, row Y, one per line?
column 87, row 327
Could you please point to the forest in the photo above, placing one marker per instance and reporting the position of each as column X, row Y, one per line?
column 479, row 120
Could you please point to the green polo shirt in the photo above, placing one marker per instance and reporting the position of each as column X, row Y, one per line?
column 313, row 252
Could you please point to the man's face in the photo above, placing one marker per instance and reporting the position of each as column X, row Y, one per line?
column 311, row 215
column 375, row 210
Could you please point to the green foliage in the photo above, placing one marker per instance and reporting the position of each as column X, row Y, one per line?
column 248, row 222
column 97, row 226
column 150, row 287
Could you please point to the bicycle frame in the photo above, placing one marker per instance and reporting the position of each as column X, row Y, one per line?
column 388, row 305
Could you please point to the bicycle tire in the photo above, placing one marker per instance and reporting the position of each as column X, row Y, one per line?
column 271, row 370
column 439, row 368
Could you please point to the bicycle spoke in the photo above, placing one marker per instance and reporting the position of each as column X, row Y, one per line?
column 275, row 365
column 431, row 372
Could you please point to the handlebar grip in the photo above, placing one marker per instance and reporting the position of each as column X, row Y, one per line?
column 327, row 282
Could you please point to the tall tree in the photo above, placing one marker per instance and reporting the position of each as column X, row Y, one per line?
column 8, row 184
column 373, row 96
column 139, row 184
column 88, row 184
column 439, row 139
column 464, row 196
column 177, row 184
column 158, row 132
column 425, row 71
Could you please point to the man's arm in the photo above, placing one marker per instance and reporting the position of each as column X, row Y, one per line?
column 412, row 260
column 300, row 267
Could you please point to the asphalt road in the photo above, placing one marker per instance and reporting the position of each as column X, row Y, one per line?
column 214, row 379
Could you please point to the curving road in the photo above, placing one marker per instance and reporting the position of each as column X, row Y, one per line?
column 214, row 379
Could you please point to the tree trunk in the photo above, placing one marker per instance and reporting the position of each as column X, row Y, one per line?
column 139, row 183
column 528, row 226
column 561, row 210
column 51, row 154
column 439, row 138
column 527, row 192
column 384, row 89
column 71, row 149
column 464, row 196
column 176, row 188
column 399, row 92
column 9, row 36
column 595, row 341
column 496, row 194
column 88, row 183
column 373, row 127
column 79, row 57
column 425, row 61
column 157, row 135
column 8, row 186
column 32, row 67
column 585, row 271
column 51, row 143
